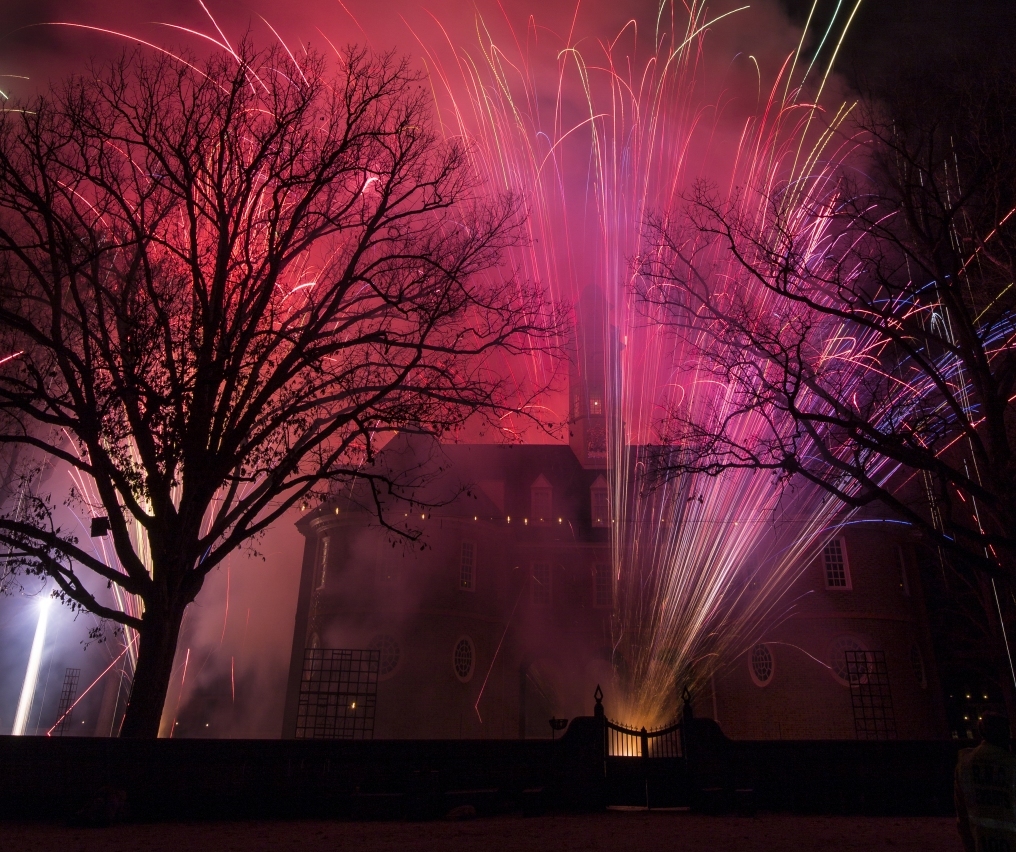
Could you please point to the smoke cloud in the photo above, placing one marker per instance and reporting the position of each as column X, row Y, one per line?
column 231, row 667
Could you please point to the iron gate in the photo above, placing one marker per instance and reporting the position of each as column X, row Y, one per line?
column 644, row 767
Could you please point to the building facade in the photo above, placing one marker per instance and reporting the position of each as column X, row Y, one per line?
column 498, row 616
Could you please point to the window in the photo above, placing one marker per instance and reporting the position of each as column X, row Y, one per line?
column 595, row 406
column 846, row 672
column 761, row 665
column 834, row 557
column 603, row 586
column 323, row 561
column 467, row 566
column 463, row 658
column 901, row 563
column 541, row 500
column 539, row 586
column 390, row 654
column 917, row 664
column 599, row 503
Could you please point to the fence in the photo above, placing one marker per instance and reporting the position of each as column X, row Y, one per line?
column 656, row 742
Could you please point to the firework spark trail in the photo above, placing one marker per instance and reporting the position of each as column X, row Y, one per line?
column 701, row 564
column 287, row 309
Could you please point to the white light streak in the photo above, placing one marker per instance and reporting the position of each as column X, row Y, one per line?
column 32, row 673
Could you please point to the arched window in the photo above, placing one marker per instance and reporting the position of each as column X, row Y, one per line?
column 761, row 665
column 464, row 658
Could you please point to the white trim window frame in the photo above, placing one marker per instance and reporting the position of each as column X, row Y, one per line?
column 603, row 586
column 467, row 566
column 835, row 566
column 761, row 657
column 464, row 650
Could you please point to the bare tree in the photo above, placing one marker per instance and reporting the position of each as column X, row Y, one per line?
column 222, row 280
column 867, row 322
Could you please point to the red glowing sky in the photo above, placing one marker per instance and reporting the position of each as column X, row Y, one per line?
column 253, row 636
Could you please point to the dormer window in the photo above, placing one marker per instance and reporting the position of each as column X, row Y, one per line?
column 599, row 503
column 541, row 501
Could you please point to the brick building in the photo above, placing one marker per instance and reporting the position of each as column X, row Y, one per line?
column 861, row 595
column 499, row 617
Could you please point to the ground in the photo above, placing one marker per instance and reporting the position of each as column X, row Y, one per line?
column 614, row 831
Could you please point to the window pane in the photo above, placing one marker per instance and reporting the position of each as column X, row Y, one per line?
column 603, row 591
column 467, row 565
column 540, row 586
column 835, row 565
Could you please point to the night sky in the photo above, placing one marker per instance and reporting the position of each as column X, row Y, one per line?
column 254, row 635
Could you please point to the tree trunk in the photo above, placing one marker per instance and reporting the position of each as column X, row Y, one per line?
column 156, row 651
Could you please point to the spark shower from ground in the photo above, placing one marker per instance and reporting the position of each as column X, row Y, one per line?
column 597, row 123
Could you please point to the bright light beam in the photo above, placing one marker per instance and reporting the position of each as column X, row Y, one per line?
column 32, row 674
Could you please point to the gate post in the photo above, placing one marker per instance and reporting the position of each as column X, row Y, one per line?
column 601, row 723
column 579, row 771
column 687, row 717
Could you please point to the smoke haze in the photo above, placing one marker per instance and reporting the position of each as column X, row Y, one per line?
column 233, row 657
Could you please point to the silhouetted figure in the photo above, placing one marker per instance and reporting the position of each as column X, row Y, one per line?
column 985, row 790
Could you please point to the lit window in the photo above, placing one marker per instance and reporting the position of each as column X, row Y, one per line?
column 463, row 658
column 901, row 563
column 599, row 502
column 539, row 588
column 834, row 557
column 541, row 501
column 603, row 587
column 595, row 405
column 467, row 566
column 762, row 667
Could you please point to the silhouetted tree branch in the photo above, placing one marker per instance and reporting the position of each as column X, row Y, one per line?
column 867, row 322
column 224, row 281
